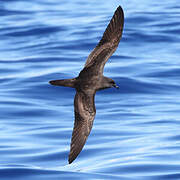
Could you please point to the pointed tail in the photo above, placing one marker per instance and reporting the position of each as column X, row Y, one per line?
column 64, row 82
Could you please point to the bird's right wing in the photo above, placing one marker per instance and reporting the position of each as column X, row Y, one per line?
column 109, row 41
column 84, row 109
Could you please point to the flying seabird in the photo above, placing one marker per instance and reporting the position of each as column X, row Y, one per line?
column 89, row 81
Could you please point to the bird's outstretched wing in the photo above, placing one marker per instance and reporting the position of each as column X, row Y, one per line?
column 85, row 111
column 108, row 43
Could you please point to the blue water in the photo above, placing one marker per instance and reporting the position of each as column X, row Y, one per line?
column 136, row 133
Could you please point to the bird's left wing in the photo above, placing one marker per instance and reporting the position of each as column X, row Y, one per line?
column 84, row 109
column 108, row 43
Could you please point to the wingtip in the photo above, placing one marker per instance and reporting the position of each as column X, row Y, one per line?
column 70, row 160
column 50, row 82
column 119, row 8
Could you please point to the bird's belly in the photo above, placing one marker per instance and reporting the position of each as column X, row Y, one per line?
column 89, row 84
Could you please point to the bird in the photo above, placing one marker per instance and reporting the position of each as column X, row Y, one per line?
column 89, row 81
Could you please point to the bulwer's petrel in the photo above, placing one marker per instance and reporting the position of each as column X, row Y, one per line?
column 90, row 80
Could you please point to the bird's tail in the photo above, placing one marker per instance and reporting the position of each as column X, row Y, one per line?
column 64, row 82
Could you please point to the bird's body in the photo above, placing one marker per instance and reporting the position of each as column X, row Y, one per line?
column 90, row 80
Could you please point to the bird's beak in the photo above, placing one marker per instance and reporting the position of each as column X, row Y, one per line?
column 117, row 87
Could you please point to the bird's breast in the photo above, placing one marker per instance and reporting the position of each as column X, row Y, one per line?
column 86, row 84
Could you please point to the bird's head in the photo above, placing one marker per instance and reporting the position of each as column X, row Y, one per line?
column 113, row 84
column 108, row 83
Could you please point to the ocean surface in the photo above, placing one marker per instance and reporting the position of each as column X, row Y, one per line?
column 136, row 132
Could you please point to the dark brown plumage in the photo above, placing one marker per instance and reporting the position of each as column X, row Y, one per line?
column 90, row 80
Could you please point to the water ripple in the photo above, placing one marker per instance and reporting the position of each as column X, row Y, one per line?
column 136, row 129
